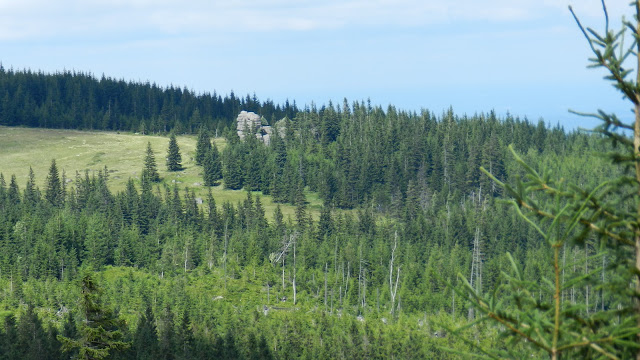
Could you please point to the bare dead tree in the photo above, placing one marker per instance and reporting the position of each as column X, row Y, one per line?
column 289, row 242
column 393, row 287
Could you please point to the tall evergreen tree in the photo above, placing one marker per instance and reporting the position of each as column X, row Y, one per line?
column 70, row 330
column 150, row 168
column 31, row 192
column 167, row 339
column 203, row 146
column 145, row 339
column 53, row 192
column 567, row 215
column 213, row 218
column 185, row 338
column 31, row 335
column 174, row 159
column 325, row 225
column 212, row 167
column 13, row 193
column 9, row 344
column 99, row 332
column 253, row 163
column 233, row 171
column 146, row 206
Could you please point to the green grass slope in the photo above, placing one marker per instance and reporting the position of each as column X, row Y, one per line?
column 122, row 153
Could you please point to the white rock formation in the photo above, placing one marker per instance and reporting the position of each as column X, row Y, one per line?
column 248, row 120
column 252, row 122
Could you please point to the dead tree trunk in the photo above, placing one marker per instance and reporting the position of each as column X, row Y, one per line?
column 476, row 267
column 393, row 288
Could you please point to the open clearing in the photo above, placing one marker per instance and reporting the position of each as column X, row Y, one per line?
column 122, row 154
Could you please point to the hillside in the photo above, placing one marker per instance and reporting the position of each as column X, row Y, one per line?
column 122, row 154
column 386, row 216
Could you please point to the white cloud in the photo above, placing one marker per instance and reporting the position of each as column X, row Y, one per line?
column 33, row 19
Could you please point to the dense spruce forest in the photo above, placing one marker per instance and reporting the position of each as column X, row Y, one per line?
column 76, row 100
column 406, row 208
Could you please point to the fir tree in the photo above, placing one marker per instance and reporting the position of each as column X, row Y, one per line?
column 167, row 340
column 31, row 335
column 203, row 146
column 145, row 340
column 325, row 225
column 70, row 331
column 264, row 351
column 13, row 193
column 99, row 333
column 213, row 218
column 53, row 192
column 31, row 193
column 150, row 169
column 567, row 215
column 253, row 163
column 146, row 205
column 9, row 341
column 301, row 210
column 212, row 167
column 174, row 158
column 253, row 172
column 233, row 174
column 185, row 338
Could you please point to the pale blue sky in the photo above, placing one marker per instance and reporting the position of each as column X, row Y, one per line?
column 523, row 56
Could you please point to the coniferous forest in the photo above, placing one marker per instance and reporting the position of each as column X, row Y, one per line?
column 439, row 236
column 405, row 205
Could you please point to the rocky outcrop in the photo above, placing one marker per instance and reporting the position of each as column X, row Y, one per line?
column 281, row 126
column 252, row 123
column 248, row 121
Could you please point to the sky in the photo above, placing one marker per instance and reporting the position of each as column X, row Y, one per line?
column 523, row 57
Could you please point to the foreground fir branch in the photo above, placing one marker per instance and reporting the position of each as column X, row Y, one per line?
column 536, row 317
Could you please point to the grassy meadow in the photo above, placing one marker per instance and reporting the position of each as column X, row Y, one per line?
column 122, row 154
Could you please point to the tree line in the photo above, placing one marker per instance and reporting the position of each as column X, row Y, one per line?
column 77, row 100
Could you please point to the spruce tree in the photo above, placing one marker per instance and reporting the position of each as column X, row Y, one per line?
column 146, row 205
column 212, row 167
column 13, row 193
column 31, row 336
column 185, row 339
column 150, row 169
column 167, row 339
column 9, row 341
column 70, row 331
column 325, row 224
column 264, row 351
column 253, row 163
column 31, row 192
column 145, row 339
column 213, row 218
column 233, row 174
column 203, row 146
column 253, row 172
column 174, row 158
column 53, row 192
column 99, row 333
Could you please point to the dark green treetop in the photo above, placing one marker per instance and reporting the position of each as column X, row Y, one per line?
column 150, row 169
column 53, row 192
column 203, row 145
column 212, row 167
column 99, row 333
column 174, row 159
